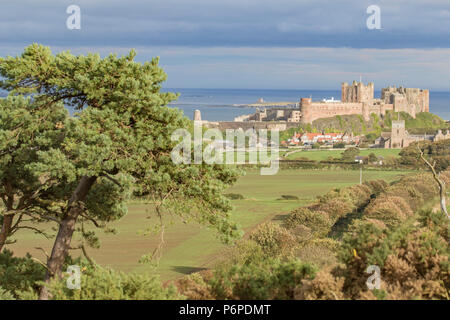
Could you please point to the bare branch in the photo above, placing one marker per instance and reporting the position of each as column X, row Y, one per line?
column 45, row 252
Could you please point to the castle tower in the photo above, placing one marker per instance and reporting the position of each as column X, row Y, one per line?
column 398, row 133
column 344, row 92
column 365, row 93
column 305, row 108
column 358, row 92
column 425, row 97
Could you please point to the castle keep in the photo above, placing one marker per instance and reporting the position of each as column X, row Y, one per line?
column 359, row 99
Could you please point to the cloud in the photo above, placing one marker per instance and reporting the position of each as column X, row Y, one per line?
column 308, row 44
column 288, row 68
column 258, row 23
column 305, row 68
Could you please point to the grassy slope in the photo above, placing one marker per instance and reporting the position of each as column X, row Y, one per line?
column 424, row 122
column 189, row 247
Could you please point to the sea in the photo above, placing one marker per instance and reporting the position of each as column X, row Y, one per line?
column 227, row 104
column 224, row 104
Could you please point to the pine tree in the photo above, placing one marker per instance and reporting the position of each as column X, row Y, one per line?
column 118, row 142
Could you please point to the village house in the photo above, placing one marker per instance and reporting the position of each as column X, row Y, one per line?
column 310, row 138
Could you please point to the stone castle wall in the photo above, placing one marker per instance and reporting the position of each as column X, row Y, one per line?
column 416, row 100
column 315, row 110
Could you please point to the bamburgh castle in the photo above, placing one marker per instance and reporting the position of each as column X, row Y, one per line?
column 358, row 98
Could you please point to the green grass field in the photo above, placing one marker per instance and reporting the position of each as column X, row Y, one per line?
column 189, row 247
column 319, row 155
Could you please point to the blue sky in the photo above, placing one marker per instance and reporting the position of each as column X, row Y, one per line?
column 292, row 44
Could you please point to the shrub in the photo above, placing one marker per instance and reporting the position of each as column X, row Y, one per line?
column 372, row 158
column 106, row 284
column 336, row 208
column 413, row 258
column 318, row 222
column 18, row 275
column 234, row 196
column 358, row 195
column 245, row 251
column 195, row 286
column 269, row 279
column 323, row 287
column 339, row 145
column 288, row 197
column 377, row 186
column 273, row 239
column 391, row 210
column 349, row 154
column 320, row 254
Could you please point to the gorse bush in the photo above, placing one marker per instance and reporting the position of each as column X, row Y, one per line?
column 245, row 251
column 320, row 252
column 336, row 208
column 390, row 210
column 398, row 201
column 411, row 250
column 379, row 227
column 196, row 286
column 320, row 217
column 248, row 271
column 414, row 259
column 323, row 287
column 273, row 239
column 268, row 279
column 318, row 222
column 376, row 186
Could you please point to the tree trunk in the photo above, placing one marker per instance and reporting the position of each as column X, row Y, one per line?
column 6, row 229
column 7, row 218
column 66, row 228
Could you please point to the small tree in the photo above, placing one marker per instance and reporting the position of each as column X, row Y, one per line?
column 372, row 158
column 339, row 145
column 436, row 171
column 349, row 154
